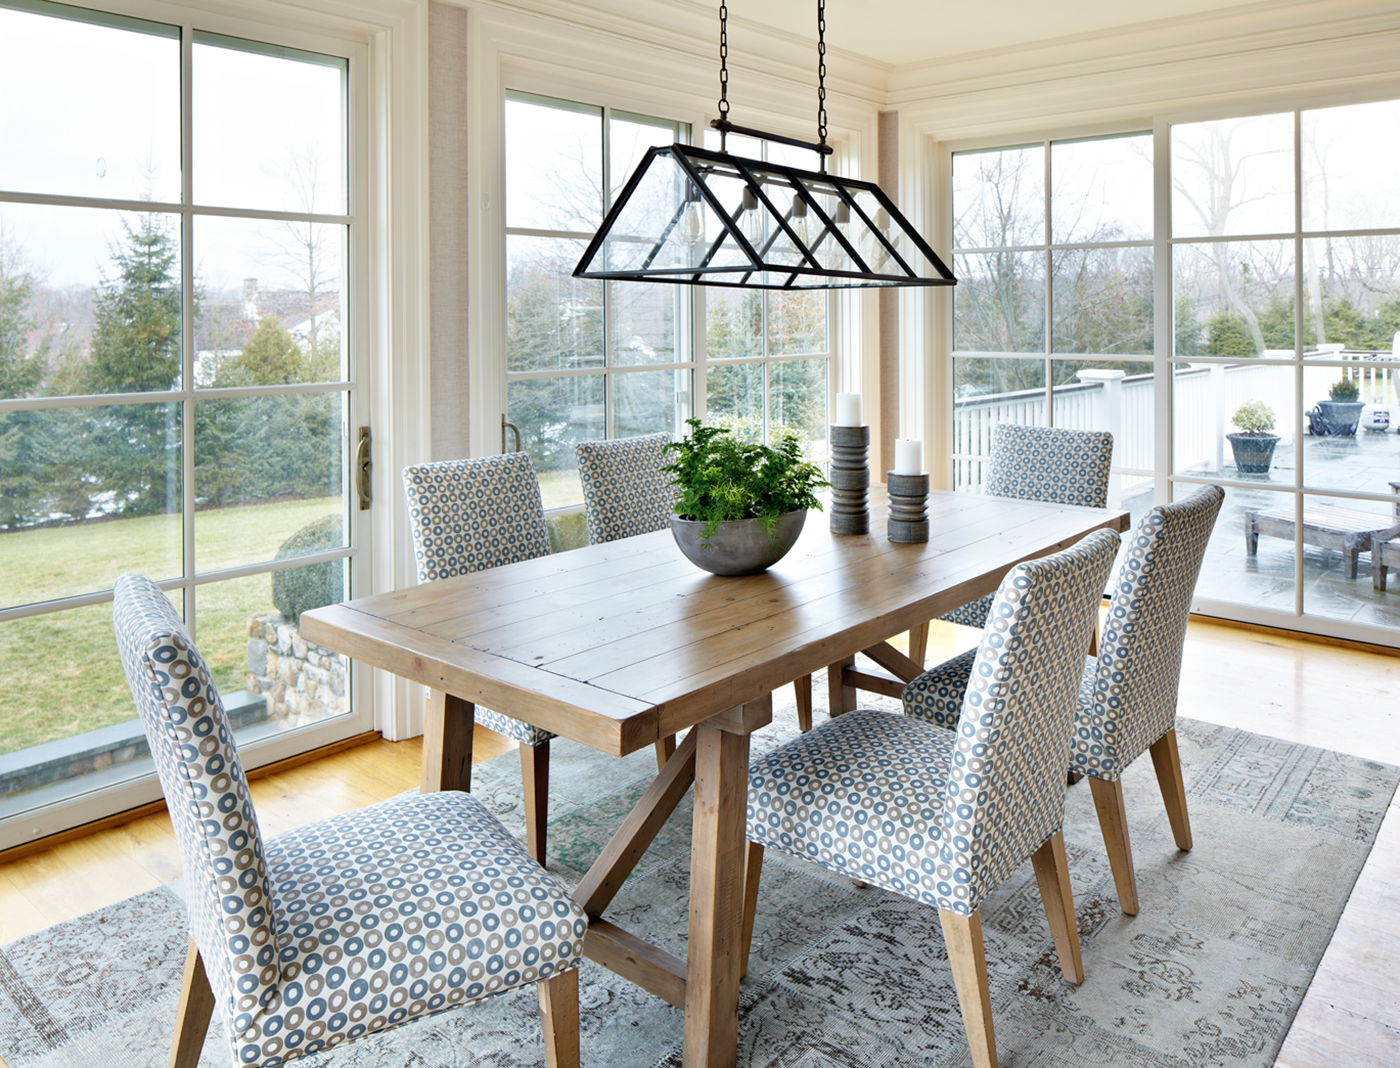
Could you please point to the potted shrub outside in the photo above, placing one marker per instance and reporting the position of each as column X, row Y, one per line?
column 1253, row 445
column 740, row 506
column 1339, row 415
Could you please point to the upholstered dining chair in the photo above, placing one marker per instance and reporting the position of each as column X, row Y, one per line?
column 1127, row 694
column 470, row 515
column 943, row 817
column 350, row 925
column 626, row 493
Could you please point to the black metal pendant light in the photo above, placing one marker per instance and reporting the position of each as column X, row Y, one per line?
column 698, row 217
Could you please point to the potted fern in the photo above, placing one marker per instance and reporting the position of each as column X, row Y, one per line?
column 740, row 506
column 1253, row 444
column 1339, row 415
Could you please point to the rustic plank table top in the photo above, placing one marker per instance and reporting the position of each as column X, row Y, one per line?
column 622, row 644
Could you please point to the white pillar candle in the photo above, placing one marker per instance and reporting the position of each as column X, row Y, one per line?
column 848, row 409
column 908, row 456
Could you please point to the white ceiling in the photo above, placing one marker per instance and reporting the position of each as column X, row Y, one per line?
column 909, row 32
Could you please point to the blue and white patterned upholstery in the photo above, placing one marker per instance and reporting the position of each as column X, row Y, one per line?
column 625, row 492
column 470, row 515
column 1042, row 463
column 944, row 817
column 351, row 925
column 1127, row 696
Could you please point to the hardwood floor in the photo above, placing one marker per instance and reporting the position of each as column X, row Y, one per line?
column 1337, row 698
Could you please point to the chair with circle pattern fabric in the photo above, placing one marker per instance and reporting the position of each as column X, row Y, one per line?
column 470, row 515
column 944, row 817
column 1127, row 694
column 348, row 926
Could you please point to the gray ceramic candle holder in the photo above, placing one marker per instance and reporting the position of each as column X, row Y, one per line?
column 908, row 522
column 850, row 479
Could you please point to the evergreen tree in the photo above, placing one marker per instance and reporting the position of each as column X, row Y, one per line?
column 1227, row 334
column 134, row 450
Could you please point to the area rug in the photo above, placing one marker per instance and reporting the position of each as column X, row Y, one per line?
column 1210, row 972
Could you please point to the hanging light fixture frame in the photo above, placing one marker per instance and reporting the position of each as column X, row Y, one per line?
column 657, row 231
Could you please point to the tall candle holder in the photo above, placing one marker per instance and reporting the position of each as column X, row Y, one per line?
column 908, row 522
column 850, row 479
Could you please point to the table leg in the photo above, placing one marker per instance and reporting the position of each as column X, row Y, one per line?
column 1349, row 554
column 1251, row 534
column 448, row 724
column 840, row 697
column 714, row 951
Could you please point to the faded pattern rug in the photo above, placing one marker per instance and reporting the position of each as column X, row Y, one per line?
column 1209, row 974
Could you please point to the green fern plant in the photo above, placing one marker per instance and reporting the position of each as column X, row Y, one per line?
column 721, row 479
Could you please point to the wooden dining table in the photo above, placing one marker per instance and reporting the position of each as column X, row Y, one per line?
column 619, row 645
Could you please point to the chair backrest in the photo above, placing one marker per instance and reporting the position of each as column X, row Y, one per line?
column 625, row 492
column 1139, row 666
column 1046, row 463
column 230, row 896
column 470, row 515
column 1006, row 784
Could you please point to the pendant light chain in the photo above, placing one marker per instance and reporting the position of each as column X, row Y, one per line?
column 723, row 70
column 821, row 78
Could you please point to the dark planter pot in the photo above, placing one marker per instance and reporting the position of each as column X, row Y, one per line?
column 1335, row 418
column 739, row 546
column 1254, row 454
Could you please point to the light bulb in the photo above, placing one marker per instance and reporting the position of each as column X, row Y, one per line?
column 691, row 227
column 750, row 221
column 840, row 258
column 798, row 219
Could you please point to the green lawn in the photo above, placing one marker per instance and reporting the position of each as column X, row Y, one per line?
column 59, row 673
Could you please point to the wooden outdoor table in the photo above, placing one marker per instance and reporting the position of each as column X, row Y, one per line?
column 1325, row 525
column 619, row 645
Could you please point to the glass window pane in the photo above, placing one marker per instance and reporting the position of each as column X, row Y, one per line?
column 296, row 163
column 46, row 700
column 1102, row 300
column 999, row 198
column 553, row 320
column 270, row 301
column 1351, row 288
column 629, row 137
column 733, row 323
column 797, row 323
column 1230, row 572
column 1233, row 176
column 1344, row 542
column 554, row 167
column 999, row 302
column 645, row 316
column 87, row 494
column 112, row 91
column 650, row 402
column 92, row 300
column 286, row 450
column 269, row 678
column 1350, row 158
column 989, row 392
column 1351, row 446
column 1207, row 401
column 1234, row 299
column 797, row 401
column 1109, row 395
column 735, row 398
column 1101, row 190
column 554, row 415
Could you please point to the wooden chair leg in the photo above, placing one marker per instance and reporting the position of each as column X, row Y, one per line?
column 664, row 748
column 1052, row 875
column 1113, row 822
column 963, row 937
column 918, row 643
column 1166, row 760
column 534, row 779
column 559, row 1018
column 753, row 871
column 193, row 1013
column 803, row 689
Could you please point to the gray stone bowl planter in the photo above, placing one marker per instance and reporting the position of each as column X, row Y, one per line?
column 1335, row 418
column 739, row 546
column 1254, row 453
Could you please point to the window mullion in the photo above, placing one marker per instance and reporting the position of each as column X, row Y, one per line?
column 1049, row 293
column 187, row 488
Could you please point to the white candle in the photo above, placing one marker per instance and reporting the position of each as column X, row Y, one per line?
column 848, row 409
column 908, row 456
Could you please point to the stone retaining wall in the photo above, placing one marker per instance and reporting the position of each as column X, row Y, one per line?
column 303, row 683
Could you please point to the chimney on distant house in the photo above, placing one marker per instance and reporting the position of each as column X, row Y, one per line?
column 250, row 299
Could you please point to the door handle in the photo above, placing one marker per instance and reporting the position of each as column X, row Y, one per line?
column 363, row 465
